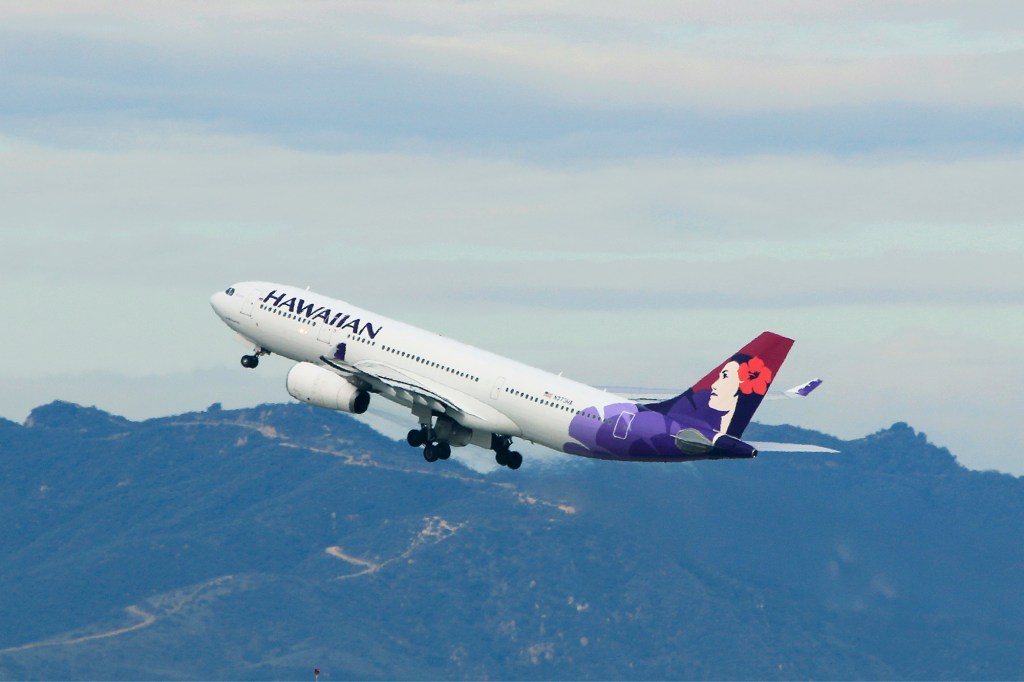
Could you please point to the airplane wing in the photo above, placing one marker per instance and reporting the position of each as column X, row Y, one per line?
column 643, row 396
column 657, row 395
column 392, row 382
column 408, row 387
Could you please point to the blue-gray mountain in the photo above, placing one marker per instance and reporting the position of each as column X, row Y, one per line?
column 262, row 543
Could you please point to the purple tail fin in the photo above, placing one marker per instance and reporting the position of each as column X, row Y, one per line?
column 727, row 397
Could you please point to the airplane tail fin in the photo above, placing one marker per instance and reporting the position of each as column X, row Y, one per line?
column 728, row 395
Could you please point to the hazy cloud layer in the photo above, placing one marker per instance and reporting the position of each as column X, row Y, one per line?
column 547, row 80
column 623, row 194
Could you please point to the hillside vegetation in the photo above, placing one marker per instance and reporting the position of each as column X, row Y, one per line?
column 262, row 543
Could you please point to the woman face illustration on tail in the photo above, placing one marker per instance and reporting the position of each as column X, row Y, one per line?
column 742, row 377
column 726, row 389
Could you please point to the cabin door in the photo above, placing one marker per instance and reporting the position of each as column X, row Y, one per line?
column 622, row 425
column 248, row 303
column 498, row 385
column 324, row 332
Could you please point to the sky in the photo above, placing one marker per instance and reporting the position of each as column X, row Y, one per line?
column 623, row 192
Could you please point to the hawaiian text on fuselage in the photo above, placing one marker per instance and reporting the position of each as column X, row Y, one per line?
column 312, row 311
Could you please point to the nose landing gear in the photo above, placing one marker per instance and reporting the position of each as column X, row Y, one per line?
column 252, row 361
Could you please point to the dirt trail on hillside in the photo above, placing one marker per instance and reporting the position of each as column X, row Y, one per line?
column 147, row 620
column 370, row 567
column 435, row 530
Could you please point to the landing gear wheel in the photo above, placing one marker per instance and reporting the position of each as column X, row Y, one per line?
column 416, row 438
column 443, row 450
column 250, row 361
column 508, row 458
column 430, row 453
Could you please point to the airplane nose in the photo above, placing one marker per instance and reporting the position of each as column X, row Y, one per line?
column 219, row 303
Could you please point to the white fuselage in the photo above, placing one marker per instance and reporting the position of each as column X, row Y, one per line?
column 507, row 397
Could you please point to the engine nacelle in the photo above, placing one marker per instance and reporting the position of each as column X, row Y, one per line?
column 323, row 388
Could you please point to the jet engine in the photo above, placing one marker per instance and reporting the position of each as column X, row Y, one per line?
column 321, row 387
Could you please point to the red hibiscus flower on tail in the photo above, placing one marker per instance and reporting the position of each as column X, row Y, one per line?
column 754, row 377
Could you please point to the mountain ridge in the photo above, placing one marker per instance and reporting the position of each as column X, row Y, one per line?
column 60, row 414
column 262, row 542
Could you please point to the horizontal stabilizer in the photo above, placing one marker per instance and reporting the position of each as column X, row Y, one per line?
column 649, row 395
column 791, row 447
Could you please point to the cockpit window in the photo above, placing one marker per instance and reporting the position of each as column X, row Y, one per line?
column 230, row 291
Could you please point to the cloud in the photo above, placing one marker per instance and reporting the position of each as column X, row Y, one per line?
column 525, row 80
column 207, row 198
column 615, row 191
column 183, row 216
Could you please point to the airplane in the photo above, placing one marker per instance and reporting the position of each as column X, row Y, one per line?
column 462, row 395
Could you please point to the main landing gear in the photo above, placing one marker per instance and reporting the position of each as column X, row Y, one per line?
column 252, row 361
column 503, row 454
column 426, row 438
column 434, row 448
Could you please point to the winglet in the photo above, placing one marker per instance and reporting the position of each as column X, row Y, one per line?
column 799, row 391
column 803, row 390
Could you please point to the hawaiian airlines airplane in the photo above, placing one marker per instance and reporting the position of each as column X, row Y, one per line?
column 462, row 395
